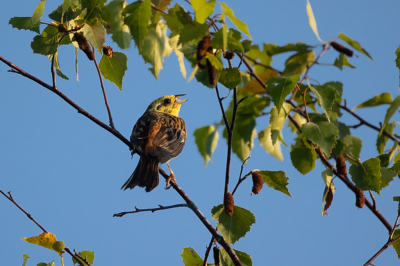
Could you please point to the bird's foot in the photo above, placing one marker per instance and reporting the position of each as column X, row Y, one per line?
column 171, row 177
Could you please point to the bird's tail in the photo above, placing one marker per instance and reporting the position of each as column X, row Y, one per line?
column 145, row 174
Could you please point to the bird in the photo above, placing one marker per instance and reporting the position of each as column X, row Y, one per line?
column 158, row 136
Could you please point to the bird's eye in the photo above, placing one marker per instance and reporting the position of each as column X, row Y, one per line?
column 167, row 101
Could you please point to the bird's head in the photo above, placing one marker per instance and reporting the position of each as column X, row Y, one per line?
column 170, row 104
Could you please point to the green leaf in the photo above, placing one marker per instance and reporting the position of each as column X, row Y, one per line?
column 321, row 133
column 261, row 57
column 384, row 98
column 114, row 68
column 154, row 47
column 206, row 139
column 46, row 264
column 86, row 254
column 382, row 139
column 273, row 49
column 396, row 245
column 203, row 9
column 47, row 42
column 342, row 61
column 387, row 176
column 120, row 32
column 193, row 31
column 298, row 63
column 312, row 21
column 244, row 258
column 279, row 88
column 25, row 259
column 278, row 119
column 173, row 43
column 326, row 96
column 264, row 137
column 95, row 34
column 299, row 119
column 191, row 258
column 356, row 45
column 233, row 40
column 230, row 77
column 29, row 23
column 233, row 227
column 390, row 112
column 203, row 77
column 277, row 180
column 397, row 57
column 57, row 66
column 327, row 176
column 226, row 11
column 178, row 17
column 355, row 149
column 303, row 159
column 63, row 15
column 138, row 21
column 214, row 61
column 244, row 131
column 367, row 176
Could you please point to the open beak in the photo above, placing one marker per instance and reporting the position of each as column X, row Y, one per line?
column 179, row 100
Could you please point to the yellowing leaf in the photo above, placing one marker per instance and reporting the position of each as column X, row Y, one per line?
column 255, row 87
column 227, row 11
column 312, row 21
column 47, row 240
column 203, row 9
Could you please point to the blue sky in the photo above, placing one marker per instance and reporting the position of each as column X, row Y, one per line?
column 67, row 172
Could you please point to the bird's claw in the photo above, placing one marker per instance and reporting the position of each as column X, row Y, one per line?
column 171, row 177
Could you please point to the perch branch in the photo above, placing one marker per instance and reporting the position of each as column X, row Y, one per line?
column 160, row 208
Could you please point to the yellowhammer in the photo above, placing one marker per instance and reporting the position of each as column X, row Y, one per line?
column 158, row 136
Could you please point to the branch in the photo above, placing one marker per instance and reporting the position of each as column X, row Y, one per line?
column 103, row 89
column 150, row 210
column 10, row 198
column 83, row 259
column 204, row 220
column 16, row 69
column 75, row 257
column 363, row 122
column 208, row 251
column 255, row 62
column 158, row 9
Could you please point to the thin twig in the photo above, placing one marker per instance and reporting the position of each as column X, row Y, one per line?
column 50, row 24
column 53, row 74
column 208, row 251
column 363, row 122
column 10, row 198
column 83, row 259
column 240, row 176
column 104, row 90
column 158, row 9
column 222, row 109
column 308, row 69
column 255, row 62
column 160, row 208
column 16, row 69
column 304, row 102
column 75, row 257
column 373, row 199
column 346, row 180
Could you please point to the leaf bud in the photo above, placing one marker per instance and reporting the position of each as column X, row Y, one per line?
column 341, row 49
column 216, row 255
column 84, row 45
column 229, row 204
column 341, row 165
column 258, row 182
column 360, row 198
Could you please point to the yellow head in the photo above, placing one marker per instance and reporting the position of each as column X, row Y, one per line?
column 169, row 104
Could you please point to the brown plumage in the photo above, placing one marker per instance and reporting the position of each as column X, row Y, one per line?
column 158, row 136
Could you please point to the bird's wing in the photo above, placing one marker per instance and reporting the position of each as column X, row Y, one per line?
column 146, row 126
column 169, row 141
